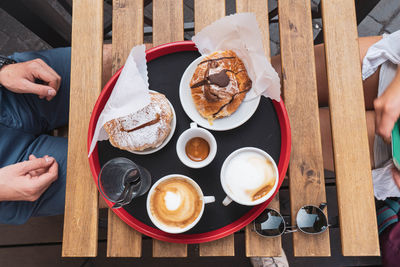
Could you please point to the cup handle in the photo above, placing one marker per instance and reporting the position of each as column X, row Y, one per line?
column 209, row 199
column 227, row 201
column 193, row 125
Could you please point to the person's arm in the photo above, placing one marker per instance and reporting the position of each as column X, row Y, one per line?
column 26, row 181
column 21, row 77
column 387, row 112
column 396, row 176
column 387, row 108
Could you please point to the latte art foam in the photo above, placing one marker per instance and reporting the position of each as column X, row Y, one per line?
column 175, row 203
column 249, row 176
column 172, row 200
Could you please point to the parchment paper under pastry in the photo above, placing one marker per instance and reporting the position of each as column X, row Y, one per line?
column 130, row 93
column 241, row 33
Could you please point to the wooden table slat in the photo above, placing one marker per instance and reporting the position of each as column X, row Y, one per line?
column 306, row 172
column 260, row 9
column 81, row 199
column 167, row 21
column 221, row 247
column 206, row 12
column 256, row 245
column 168, row 27
column 163, row 249
column 122, row 240
column 127, row 29
column 349, row 131
column 259, row 246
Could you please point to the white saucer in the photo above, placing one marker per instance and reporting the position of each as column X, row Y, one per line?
column 163, row 144
column 240, row 116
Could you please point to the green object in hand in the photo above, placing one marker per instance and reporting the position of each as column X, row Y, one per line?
column 396, row 144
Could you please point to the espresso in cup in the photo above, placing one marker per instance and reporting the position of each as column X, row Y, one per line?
column 197, row 149
column 249, row 176
column 175, row 203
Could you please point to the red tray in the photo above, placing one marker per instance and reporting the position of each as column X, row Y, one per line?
column 151, row 231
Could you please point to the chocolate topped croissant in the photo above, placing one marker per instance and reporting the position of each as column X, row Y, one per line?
column 219, row 85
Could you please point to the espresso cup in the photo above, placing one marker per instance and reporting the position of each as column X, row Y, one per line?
column 249, row 176
column 175, row 203
column 183, row 145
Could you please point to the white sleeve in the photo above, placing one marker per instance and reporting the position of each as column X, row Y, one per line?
column 387, row 49
column 384, row 185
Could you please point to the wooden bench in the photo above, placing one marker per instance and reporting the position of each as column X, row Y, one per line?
column 353, row 171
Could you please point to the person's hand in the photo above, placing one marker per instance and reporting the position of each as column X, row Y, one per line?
column 21, row 77
column 26, row 181
column 387, row 109
column 396, row 176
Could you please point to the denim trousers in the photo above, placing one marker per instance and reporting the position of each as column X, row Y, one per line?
column 25, row 123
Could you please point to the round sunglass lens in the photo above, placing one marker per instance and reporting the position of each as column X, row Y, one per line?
column 311, row 220
column 269, row 223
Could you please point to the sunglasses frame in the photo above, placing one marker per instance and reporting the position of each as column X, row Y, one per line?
column 294, row 228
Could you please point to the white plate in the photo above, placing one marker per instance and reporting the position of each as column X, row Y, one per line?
column 240, row 116
column 163, row 144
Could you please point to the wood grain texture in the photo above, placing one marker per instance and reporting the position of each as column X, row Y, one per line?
column 256, row 245
column 167, row 21
column 127, row 29
column 81, row 198
column 168, row 27
column 259, row 246
column 221, row 247
column 38, row 230
column 206, row 12
column 163, row 249
column 260, row 8
column 122, row 240
column 307, row 185
column 358, row 223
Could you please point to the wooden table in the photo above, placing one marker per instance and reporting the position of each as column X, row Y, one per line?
column 358, row 224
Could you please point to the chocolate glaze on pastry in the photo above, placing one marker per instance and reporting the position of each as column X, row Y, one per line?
column 219, row 85
column 146, row 128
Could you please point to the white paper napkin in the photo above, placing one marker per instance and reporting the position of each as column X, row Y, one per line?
column 130, row 93
column 241, row 34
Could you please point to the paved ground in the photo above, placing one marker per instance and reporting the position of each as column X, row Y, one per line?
column 15, row 37
column 384, row 18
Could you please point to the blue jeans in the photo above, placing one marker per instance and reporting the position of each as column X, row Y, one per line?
column 25, row 121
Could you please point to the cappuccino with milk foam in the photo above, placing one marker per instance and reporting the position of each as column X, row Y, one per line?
column 176, row 203
column 249, row 176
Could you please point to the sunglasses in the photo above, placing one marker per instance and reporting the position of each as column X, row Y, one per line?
column 309, row 220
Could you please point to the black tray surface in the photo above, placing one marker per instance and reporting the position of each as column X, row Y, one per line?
column 261, row 130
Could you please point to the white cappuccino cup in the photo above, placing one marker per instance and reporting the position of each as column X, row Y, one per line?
column 249, row 176
column 175, row 203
